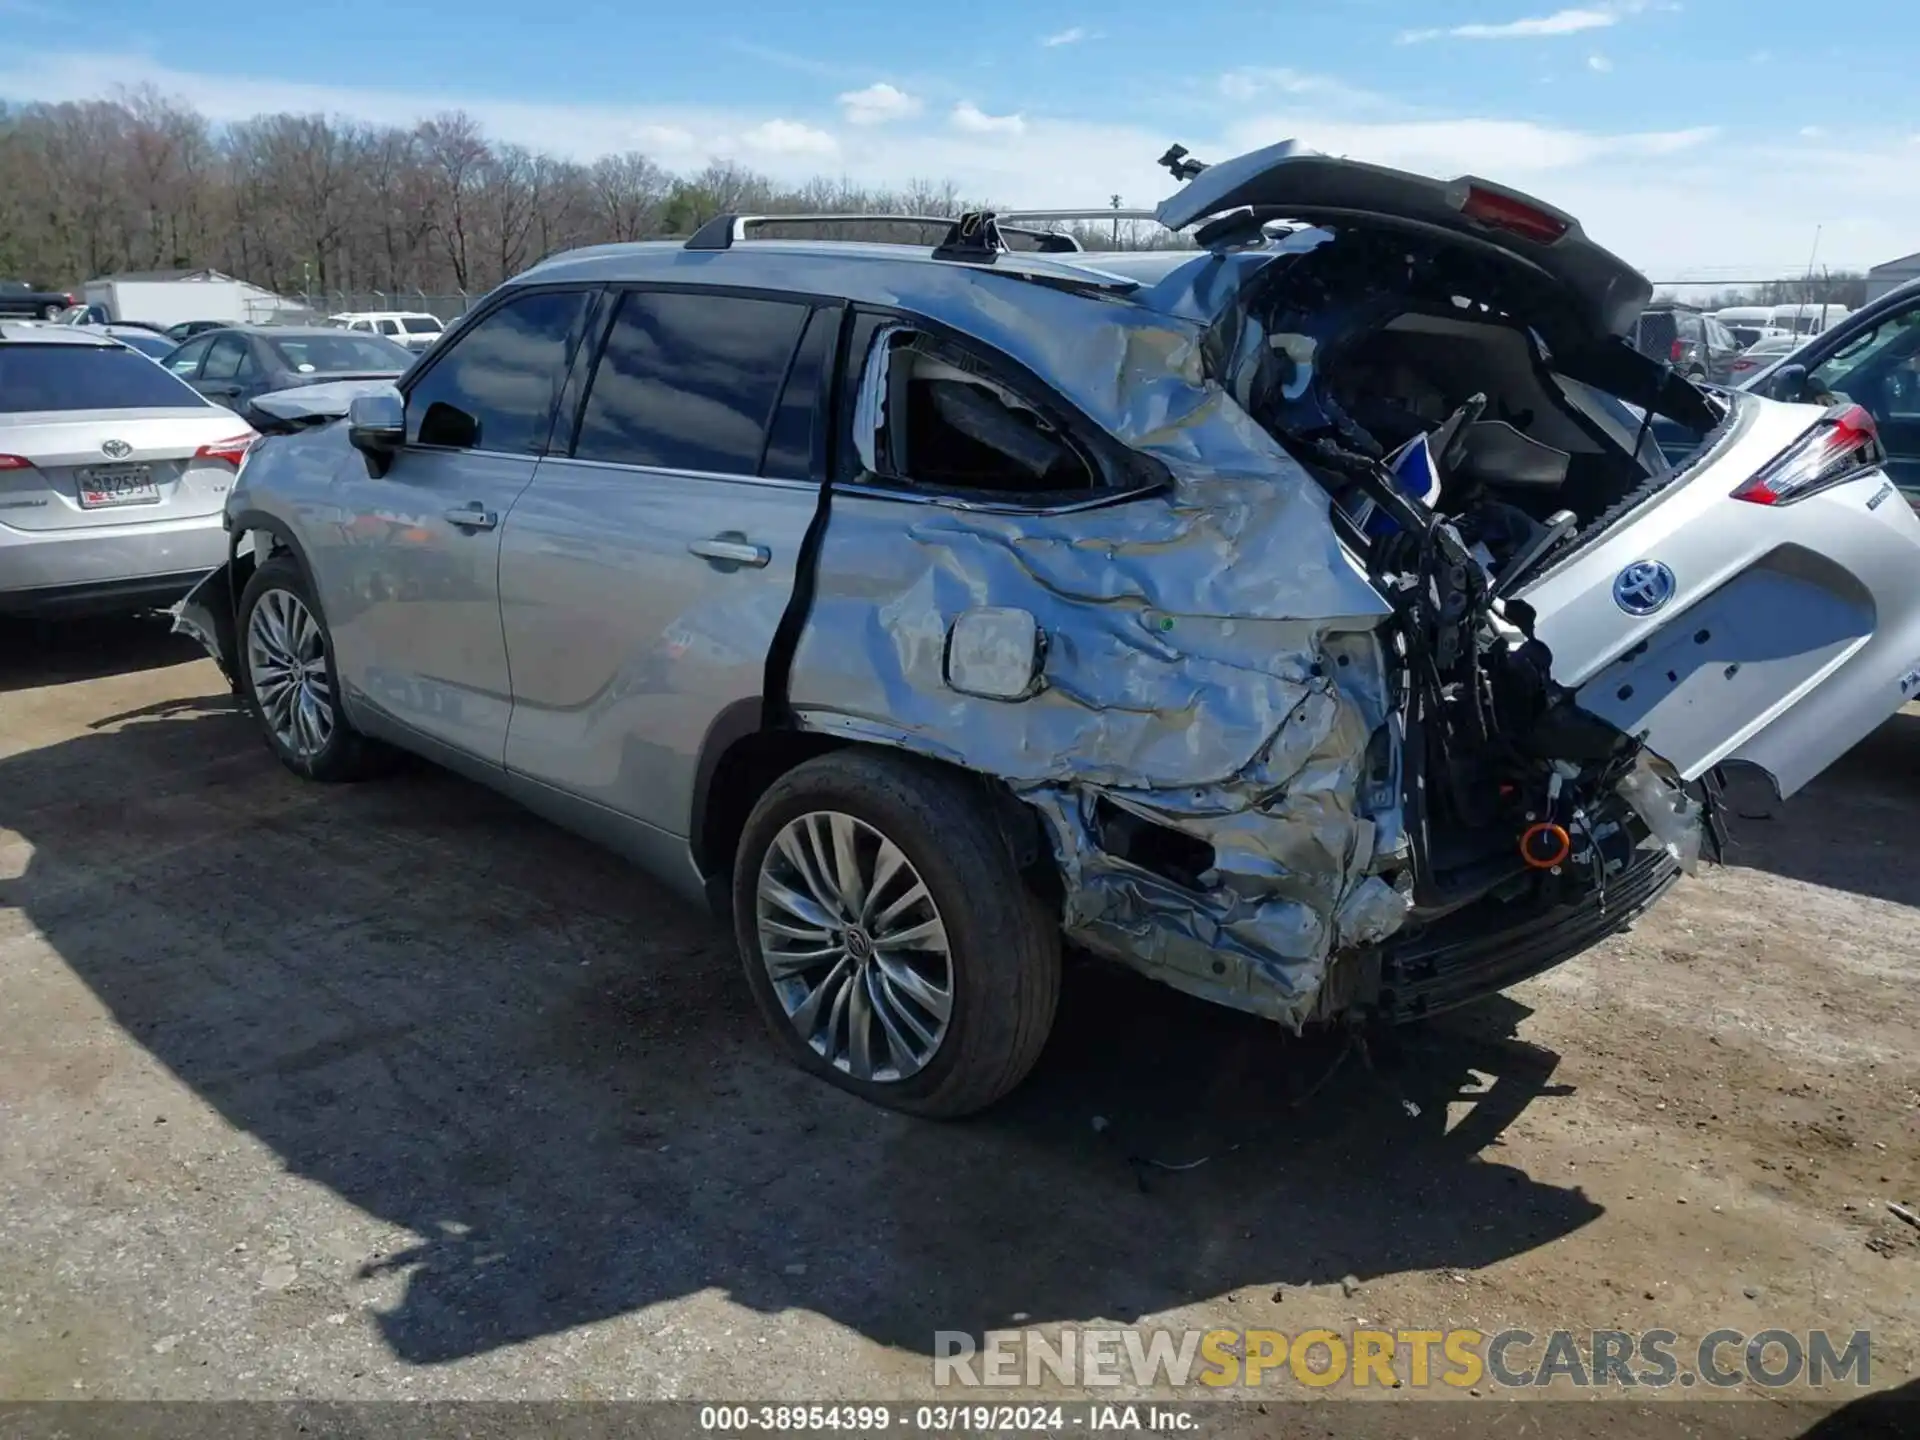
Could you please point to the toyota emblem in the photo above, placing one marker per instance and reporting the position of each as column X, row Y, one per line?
column 1643, row 587
column 116, row 449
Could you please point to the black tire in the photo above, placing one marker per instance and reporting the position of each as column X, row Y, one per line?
column 347, row 754
column 49, row 312
column 1004, row 942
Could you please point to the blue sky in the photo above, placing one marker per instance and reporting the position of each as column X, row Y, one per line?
column 1700, row 138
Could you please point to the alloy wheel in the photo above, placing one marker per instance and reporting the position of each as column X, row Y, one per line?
column 287, row 666
column 855, row 946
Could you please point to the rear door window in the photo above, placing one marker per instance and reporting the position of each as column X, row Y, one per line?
column 796, row 438
column 229, row 359
column 1657, row 333
column 186, row 360
column 689, row 381
column 494, row 387
column 87, row 377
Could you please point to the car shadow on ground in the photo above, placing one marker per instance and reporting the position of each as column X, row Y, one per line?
column 1850, row 830
column 508, row 1042
column 55, row 652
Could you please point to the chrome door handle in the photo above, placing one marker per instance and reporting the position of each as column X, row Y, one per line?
column 471, row 517
column 731, row 549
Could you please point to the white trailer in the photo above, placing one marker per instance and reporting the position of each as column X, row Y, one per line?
column 169, row 297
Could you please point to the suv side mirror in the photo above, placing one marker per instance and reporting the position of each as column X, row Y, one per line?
column 376, row 427
column 1789, row 383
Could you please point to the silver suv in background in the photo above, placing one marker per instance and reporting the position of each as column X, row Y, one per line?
column 112, row 475
column 1306, row 619
column 1696, row 345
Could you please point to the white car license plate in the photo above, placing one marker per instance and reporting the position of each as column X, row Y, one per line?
column 106, row 485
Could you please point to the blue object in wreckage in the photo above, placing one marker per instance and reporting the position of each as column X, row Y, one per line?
column 1413, row 468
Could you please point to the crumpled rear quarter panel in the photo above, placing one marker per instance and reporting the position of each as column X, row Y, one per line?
column 1192, row 674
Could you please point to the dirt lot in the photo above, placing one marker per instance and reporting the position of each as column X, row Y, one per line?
column 394, row 1091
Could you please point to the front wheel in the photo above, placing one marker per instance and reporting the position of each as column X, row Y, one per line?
column 888, row 937
column 288, row 678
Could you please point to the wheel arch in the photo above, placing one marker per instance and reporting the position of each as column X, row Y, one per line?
column 742, row 758
column 280, row 537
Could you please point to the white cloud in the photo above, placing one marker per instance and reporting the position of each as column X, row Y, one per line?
column 1532, row 27
column 971, row 118
column 1249, row 82
column 1811, row 132
column 1862, row 187
column 663, row 139
column 789, row 137
column 878, row 104
column 1599, row 64
column 1072, row 35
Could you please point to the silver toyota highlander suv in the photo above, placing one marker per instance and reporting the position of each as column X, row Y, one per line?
column 1306, row 619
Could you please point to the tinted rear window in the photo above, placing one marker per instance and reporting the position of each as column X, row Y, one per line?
column 335, row 354
column 688, row 382
column 1657, row 331
column 420, row 325
column 86, row 377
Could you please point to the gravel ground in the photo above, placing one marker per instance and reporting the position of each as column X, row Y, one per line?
column 394, row 1091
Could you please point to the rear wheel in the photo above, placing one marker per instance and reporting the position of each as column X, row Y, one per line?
column 289, row 682
column 888, row 937
column 49, row 312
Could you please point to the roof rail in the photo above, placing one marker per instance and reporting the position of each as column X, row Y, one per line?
column 724, row 231
column 1056, row 216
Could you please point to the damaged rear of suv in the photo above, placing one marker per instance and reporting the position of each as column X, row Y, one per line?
column 1307, row 620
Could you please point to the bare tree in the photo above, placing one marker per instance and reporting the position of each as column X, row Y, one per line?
column 455, row 153
column 629, row 195
column 300, row 202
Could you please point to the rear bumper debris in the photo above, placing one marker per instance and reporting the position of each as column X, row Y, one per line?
column 206, row 614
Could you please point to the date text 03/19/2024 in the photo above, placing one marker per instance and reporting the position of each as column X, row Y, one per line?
column 943, row 1419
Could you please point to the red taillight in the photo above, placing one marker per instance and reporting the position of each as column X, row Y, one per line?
column 1676, row 351
column 1845, row 442
column 1515, row 216
column 230, row 452
column 1744, row 364
column 15, row 462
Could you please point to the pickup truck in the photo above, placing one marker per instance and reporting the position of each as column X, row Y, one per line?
column 19, row 298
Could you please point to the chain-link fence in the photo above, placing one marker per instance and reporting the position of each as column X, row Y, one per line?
column 314, row 307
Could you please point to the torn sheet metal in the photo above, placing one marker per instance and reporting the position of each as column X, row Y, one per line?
column 206, row 613
column 1211, row 664
column 1672, row 817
